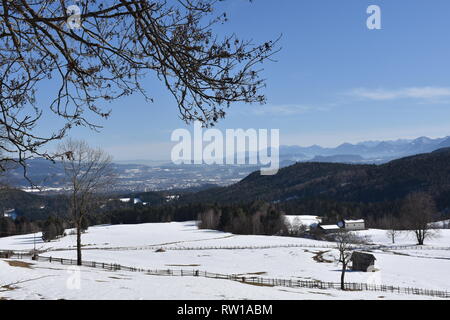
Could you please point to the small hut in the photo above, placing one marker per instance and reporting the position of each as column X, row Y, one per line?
column 362, row 261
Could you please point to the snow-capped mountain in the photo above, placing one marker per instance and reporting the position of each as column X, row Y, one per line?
column 369, row 151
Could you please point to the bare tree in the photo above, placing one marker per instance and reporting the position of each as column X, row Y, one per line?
column 209, row 219
column 393, row 233
column 98, row 51
column 296, row 228
column 393, row 227
column 418, row 211
column 345, row 241
column 88, row 173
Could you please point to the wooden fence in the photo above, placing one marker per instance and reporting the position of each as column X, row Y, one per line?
column 319, row 246
column 246, row 247
column 252, row 280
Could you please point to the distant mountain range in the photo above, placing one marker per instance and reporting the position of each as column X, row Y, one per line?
column 155, row 175
column 364, row 152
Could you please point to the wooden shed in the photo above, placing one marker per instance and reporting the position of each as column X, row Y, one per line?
column 362, row 261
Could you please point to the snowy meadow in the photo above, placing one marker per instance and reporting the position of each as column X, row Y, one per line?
column 182, row 246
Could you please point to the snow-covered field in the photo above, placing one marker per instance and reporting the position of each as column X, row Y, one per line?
column 47, row 281
column 135, row 246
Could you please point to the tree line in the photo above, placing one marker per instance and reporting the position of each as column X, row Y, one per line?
column 415, row 213
column 257, row 218
column 22, row 225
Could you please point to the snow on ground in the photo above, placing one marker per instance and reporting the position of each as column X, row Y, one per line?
column 185, row 234
column 129, row 245
column 50, row 281
column 118, row 236
column 441, row 238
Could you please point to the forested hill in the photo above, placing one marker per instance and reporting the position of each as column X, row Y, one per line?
column 32, row 205
column 39, row 207
column 342, row 182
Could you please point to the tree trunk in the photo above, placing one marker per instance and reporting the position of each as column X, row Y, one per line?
column 78, row 244
column 420, row 235
column 343, row 276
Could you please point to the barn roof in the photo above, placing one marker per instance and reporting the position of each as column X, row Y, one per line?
column 329, row 227
column 354, row 221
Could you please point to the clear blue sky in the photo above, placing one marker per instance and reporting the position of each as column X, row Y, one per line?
column 334, row 81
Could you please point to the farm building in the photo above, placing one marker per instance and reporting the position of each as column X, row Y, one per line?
column 329, row 228
column 349, row 225
column 352, row 224
column 362, row 261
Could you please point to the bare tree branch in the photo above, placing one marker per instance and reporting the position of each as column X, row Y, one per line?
column 116, row 45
